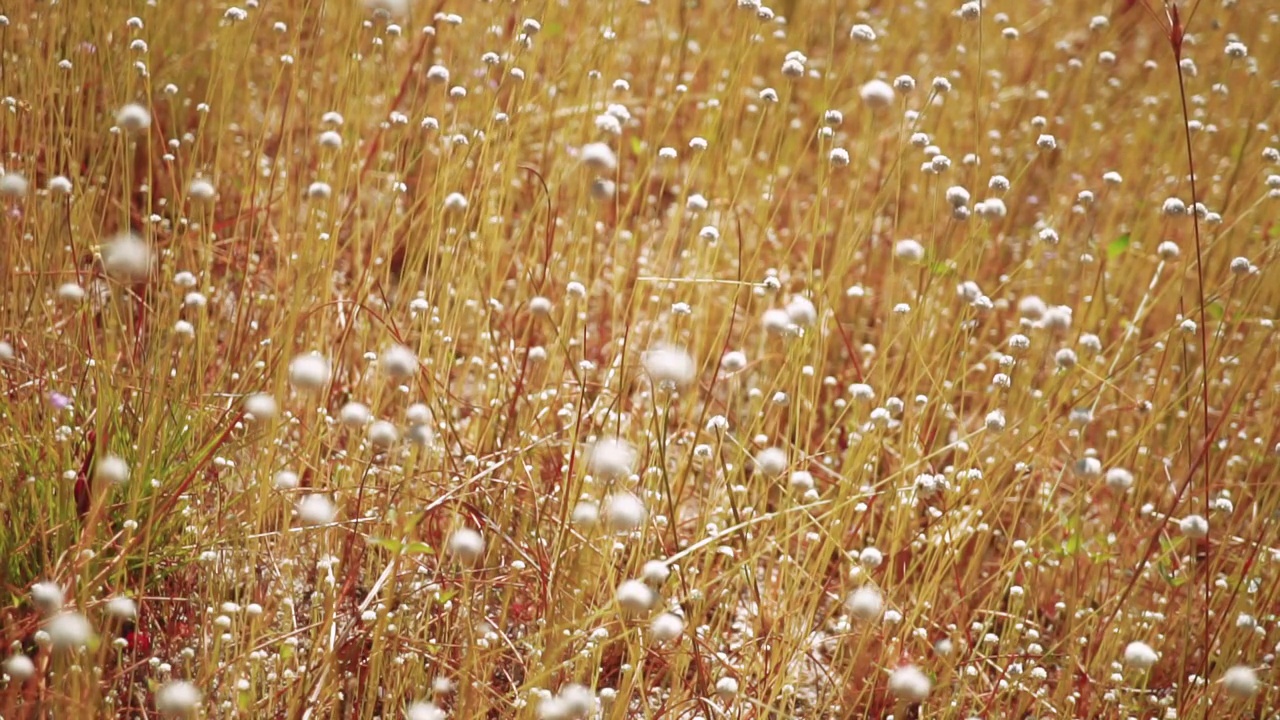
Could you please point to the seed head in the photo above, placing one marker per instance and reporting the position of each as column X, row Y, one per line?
column 261, row 406
column 316, row 510
column 13, row 185
column 423, row 710
column 309, row 372
column 862, row 33
column 112, row 470
column 399, row 362
column 69, row 630
column 466, row 545
column 771, row 461
column 178, row 699
column 624, row 512
column 876, row 94
column 599, row 157
column 666, row 627
column 865, row 603
column 635, row 597
column 612, row 458
column 670, row 366
column 19, row 667
column 1140, row 656
column 383, row 434
column 1194, row 526
column 909, row 251
column 122, row 608
column 1119, row 479
column 1241, row 682
column 910, row 684
column 133, row 118
column 127, row 258
column 47, row 597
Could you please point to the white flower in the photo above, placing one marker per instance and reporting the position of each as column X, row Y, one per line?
column 178, row 698
column 635, row 597
column 455, row 202
column 133, row 118
column 876, row 94
column 13, row 185
column 316, row 510
column 286, row 480
column 611, row 458
column 726, row 688
column 624, row 512
column 865, row 603
column 424, row 711
column 261, row 406
column 1240, row 681
column 909, row 250
column 466, row 545
column 127, row 258
column 862, row 33
column 1140, row 656
column 201, row 190
column 47, row 596
column 354, row 414
column 910, row 684
column 19, row 667
column 122, row 608
column 111, row 469
column 666, row 627
column 1194, row 526
column 670, row 366
column 1119, row 479
column 771, row 461
column 383, row 434
column 598, row 156
column 309, row 372
column 69, row 630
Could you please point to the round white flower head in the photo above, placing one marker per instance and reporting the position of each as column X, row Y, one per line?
column 910, row 684
column 201, row 190
column 19, row 667
column 122, row 608
column 635, row 597
column 870, row 557
column 69, row 630
column 398, row 362
column 726, row 688
column 585, row 515
column 111, row 469
column 865, row 603
column 383, row 434
column 261, row 406
column 354, row 414
column 133, row 118
column 599, row 157
column 771, row 461
column 13, row 185
column 611, row 458
column 1240, row 681
column 670, row 366
column 624, row 512
column 666, row 627
column 178, row 698
column 316, row 510
column 876, row 94
column 909, row 250
column 1119, row 479
column 1194, row 526
column 309, row 372
column 655, row 572
column 455, row 202
column 733, row 361
column 47, row 597
column 127, row 258
column 862, row 33
column 801, row 311
column 60, row 185
column 424, row 711
column 466, row 545
column 1140, row 656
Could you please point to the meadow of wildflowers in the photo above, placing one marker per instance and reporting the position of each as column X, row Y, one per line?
column 620, row 359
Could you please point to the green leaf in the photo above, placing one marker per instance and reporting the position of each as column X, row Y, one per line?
column 395, row 546
column 1117, row 247
column 636, row 146
column 942, row 268
column 1215, row 310
column 419, row 548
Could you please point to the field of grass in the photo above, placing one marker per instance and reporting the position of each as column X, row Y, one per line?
column 639, row 359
